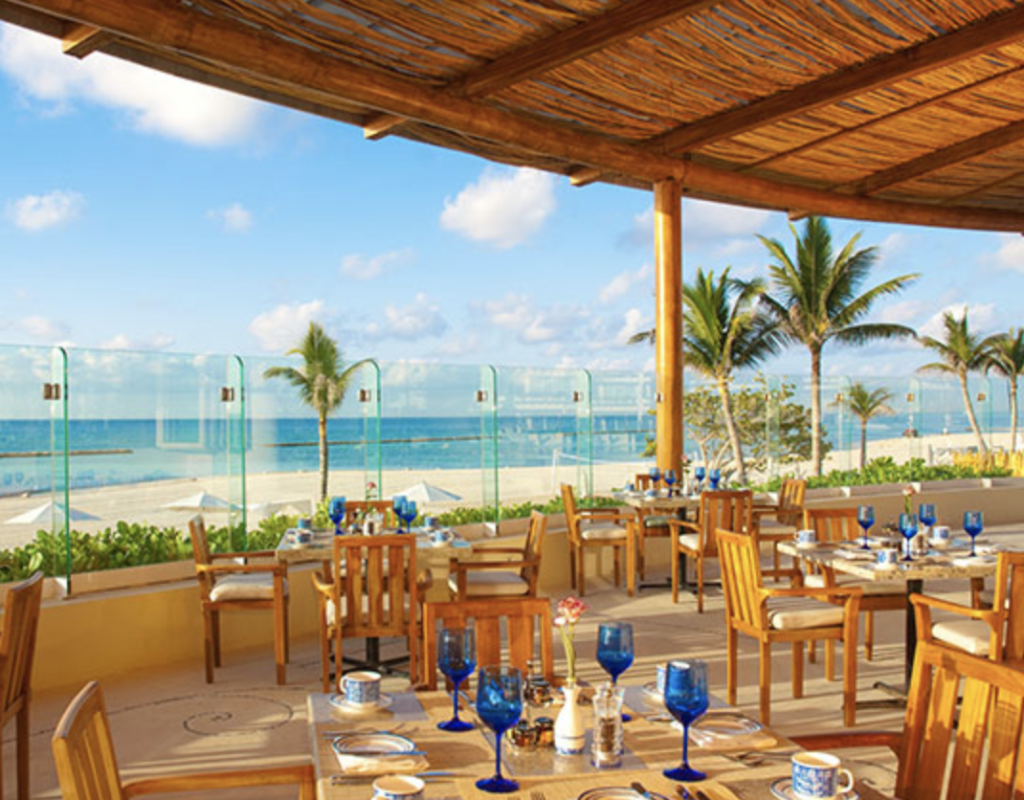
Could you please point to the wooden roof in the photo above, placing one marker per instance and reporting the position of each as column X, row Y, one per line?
column 907, row 111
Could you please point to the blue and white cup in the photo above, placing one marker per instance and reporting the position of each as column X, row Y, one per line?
column 398, row 787
column 887, row 558
column 303, row 536
column 305, row 523
column 438, row 535
column 806, row 537
column 816, row 776
column 941, row 536
column 360, row 688
column 430, row 523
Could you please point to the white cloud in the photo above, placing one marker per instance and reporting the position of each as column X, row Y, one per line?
column 365, row 268
column 152, row 102
column 283, row 326
column 633, row 322
column 420, row 318
column 1010, row 254
column 35, row 212
column 43, row 329
column 515, row 312
column 981, row 319
column 623, row 282
column 704, row 222
column 904, row 312
column 122, row 341
column 234, row 218
column 463, row 345
column 504, row 208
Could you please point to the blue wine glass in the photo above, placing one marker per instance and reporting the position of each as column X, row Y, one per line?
column 714, row 477
column 499, row 703
column 456, row 658
column 670, row 479
column 615, row 650
column 409, row 513
column 398, row 506
column 865, row 518
column 908, row 527
column 974, row 522
column 655, row 474
column 686, row 698
column 926, row 513
column 699, row 473
column 336, row 512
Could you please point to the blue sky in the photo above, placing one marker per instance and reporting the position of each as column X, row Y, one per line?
column 138, row 211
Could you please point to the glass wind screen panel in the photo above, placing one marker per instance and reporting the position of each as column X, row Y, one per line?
column 768, row 465
column 621, row 409
column 836, row 423
column 582, row 399
column 233, row 408
column 487, row 403
column 370, row 403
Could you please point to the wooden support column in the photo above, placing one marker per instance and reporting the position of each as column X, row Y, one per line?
column 668, row 322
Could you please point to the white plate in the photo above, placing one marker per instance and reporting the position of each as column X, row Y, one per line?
column 651, row 693
column 783, row 789
column 806, row 545
column 339, row 703
column 713, row 728
column 354, row 744
column 615, row 793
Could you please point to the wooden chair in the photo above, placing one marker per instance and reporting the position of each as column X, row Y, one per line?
column 226, row 584
column 484, row 577
column 997, row 632
column 838, row 525
column 778, row 522
column 591, row 528
column 728, row 510
column 950, row 750
column 378, row 590
column 522, row 617
column 795, row 615
column 354, row 509
column 87, row 769
column 17, row 652
column 648, row 523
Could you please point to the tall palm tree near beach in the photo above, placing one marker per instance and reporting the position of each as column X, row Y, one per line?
column 815, row 297
column 865, row 406
column 323, row 381
column 960, row 352
column 1006, row 357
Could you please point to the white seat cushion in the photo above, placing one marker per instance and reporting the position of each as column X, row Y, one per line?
column 971, row 635
column 691, row 541
column 489, row 582
column 987, row 597
column 245, row 587
column 796, row 613
column 592, row 531
column 872, row 588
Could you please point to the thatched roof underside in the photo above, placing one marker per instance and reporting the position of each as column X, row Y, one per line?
column 906, row 111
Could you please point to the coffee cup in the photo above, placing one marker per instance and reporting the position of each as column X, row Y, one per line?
column 941, row 536
column 360, row 688
column 305, row 523
column 303, row 536
column 430, row 523
column 806, row 537
column 398, row 787
column 887, row 558
column 816, row 776
column 439, row 536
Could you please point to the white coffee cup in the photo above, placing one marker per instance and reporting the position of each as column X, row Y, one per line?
column 806, row 537
column 398, row 787
column 887, row 558
column 941, row 536
column 816, row 776
column 360, row 688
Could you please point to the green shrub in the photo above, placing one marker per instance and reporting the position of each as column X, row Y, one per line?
column 886, row 470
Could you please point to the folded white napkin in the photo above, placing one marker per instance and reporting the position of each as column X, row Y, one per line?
column 856, row 555
column 353, row 764
column 970, row 561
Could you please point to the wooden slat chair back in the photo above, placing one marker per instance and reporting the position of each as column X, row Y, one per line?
column 590, row 528
column 791, row 615
column 501, row 571
column 791, row 501
column 727, row 510
column 648, row 522
column 644, row 481
column 17, row 654
column 777, row 522
column 525, row 619
column 833, row 524
column 87, row 768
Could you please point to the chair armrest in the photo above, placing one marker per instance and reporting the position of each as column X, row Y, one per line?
column 226, row 569
column 693, row 527
column 613, row 514
column 923, row 605
column 955, row 608
column 301, row 775
column 764, row 510
column 321, row 584
column 470, row 566
column 253, row 554
column 823, row 594
column 836, row 741
column 796, row 577
column 424, row 581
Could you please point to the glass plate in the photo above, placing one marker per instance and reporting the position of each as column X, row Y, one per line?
column 714, row 728
column 783, row 789
column 616, row 793
column 339, row 703
column 357, row 743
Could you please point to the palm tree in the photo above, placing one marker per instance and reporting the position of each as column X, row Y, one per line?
column 817, row 298
column 865, row 406
column 1006, row 356
column 960, row 352
column 321, row 386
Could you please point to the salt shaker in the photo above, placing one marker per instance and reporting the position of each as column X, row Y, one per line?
column 606, row 743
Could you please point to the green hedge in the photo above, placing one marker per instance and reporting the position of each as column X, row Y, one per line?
column 885, row 470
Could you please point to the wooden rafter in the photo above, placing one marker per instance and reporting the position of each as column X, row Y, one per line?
column 938, row 159
column 982, row 37
column 380, row 125
column 81, row 40
column 985, row 188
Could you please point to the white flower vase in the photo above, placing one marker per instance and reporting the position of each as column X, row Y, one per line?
column 570, row 732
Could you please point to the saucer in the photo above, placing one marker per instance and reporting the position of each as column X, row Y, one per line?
column 616, row 793
column 806, row 545
column 339, row 703
column 783, row 789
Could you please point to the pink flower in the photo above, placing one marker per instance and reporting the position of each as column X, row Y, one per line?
column 571, row 609
column 909, row 490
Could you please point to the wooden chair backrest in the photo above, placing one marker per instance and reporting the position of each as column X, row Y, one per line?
column 84, row 750
column 729, row 510
column 1009, row 595
column 833, row 524
column 572, row 521
column 644, row 482
column 201, row 554
column 976, row 740
column 740, row 562
column 791, row 499
column 18, row 642
column 533, row 549
column 356, row 508
column 377, row 583
column 522, row 616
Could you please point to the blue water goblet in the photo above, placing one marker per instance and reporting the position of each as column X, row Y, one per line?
column 336, row 512
column 398, row 506
column 714, row 477
column 670, row 479
column 686, row 698
column 926, row 513
column 499, row 703
column 974, row 523
column 456, row 658
column 865, row 518
column 699, row 473
column 409, row 513
column 655, row 474
column 615, row 650
column 908, row 527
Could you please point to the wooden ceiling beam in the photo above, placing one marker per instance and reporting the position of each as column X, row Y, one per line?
column 378, row 126
column 81, row 40
column 981, row 37
column 937, row 159
column 250, row 56
column 987, row 187
column 623, row 22
column 584, row 176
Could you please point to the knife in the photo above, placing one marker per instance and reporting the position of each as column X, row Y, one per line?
column 639, row 789
column 702, row 796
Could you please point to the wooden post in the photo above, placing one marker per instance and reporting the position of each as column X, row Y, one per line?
column 668, row 322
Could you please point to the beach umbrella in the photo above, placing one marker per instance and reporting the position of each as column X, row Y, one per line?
column 47, row 511
column 271, row 507
column 201, row 501
column 424, row 492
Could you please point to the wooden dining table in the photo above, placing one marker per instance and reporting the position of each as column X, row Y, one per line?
column 738, row 768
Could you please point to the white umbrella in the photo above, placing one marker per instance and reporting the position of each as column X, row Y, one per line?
column 201, row 501
column 424, row 492
column 47, row 511
column 272, row 507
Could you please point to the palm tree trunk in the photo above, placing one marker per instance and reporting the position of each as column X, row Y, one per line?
column 1013, row 414
column 969, row 406
column 734, row 436
column 323, row 457
column 863, row 444
column 816, row 409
